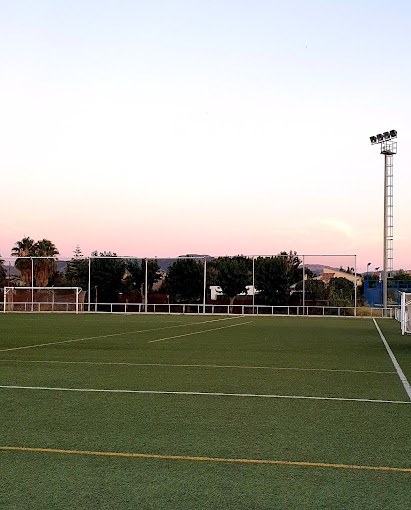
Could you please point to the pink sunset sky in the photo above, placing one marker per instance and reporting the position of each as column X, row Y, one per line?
column 220, row 128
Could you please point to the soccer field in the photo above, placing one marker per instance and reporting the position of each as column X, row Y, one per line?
column 203, row 412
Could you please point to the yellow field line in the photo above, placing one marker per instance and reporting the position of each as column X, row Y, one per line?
column 206, row 459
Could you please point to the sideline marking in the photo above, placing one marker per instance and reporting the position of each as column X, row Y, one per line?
column 397, row 367
column 202, row 393
column 118, row 334
column 198, row 332
column 206, row 459
column 250, row 367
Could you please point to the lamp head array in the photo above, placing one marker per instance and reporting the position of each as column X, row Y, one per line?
column 383, row 137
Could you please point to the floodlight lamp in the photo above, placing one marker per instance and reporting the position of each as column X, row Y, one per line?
column 373, row 139
column 387, row 135
column 393, row 133
column 380, row 137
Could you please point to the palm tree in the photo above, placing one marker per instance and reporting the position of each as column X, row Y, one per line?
column 44, row 268
column 24, row 248
column 3, row 273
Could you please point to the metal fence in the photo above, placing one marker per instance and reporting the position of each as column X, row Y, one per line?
column 199, row 308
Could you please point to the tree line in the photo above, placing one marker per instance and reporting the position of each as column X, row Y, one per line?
column 183, row 281
column 277, row 279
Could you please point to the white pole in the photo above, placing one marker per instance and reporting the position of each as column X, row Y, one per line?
column 89, row 283
column 355, row 286
column 32, row 283
column 146, row 286
column 253, row 282
column 205, row 285
column 303, row 284
column 402, row 313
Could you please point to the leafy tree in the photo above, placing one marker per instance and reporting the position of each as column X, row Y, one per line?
column 315, row 290
column 3, row 273
column 341, row 292
column 212, row 273
column 185, row 280
column 153, row 270
column 135, row 275
column 24, row 248
column 109, row 275
column 133, row 278
column 234, row 274
column 401, row 276
column 371, row 277
column 308, row 273
column 275, row 275
column 106, row 276
column 293, row 267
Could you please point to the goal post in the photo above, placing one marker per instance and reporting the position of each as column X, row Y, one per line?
column 405, row 313
column 43, row 299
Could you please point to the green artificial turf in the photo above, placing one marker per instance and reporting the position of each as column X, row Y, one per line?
column 304, row 357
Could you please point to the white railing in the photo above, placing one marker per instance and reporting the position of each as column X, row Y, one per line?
column 198, row 308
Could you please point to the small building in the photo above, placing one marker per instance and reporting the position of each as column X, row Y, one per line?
column 216, row 291
column 329, row 272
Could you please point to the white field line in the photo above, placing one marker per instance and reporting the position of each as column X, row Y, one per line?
column 115, row 334
column 397, row 367
column 201, row 393
column 198, row 332
column 181, row 365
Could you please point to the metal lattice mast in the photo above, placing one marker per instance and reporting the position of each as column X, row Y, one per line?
column 388, row 221
column 388, row 148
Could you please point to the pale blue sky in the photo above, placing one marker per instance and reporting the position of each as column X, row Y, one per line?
column 168, row 127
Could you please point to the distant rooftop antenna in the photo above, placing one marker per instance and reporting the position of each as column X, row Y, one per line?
column 388, row 148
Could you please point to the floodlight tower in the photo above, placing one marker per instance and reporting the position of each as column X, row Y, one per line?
column 388, row 148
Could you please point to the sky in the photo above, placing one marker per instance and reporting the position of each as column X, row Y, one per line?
column 217, row 127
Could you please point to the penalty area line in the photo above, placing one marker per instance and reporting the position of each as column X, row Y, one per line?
column 201, row 393
column 205, row 459
column 198, row 332
column 397, row 367
column 186, row 365
column 116, row 334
